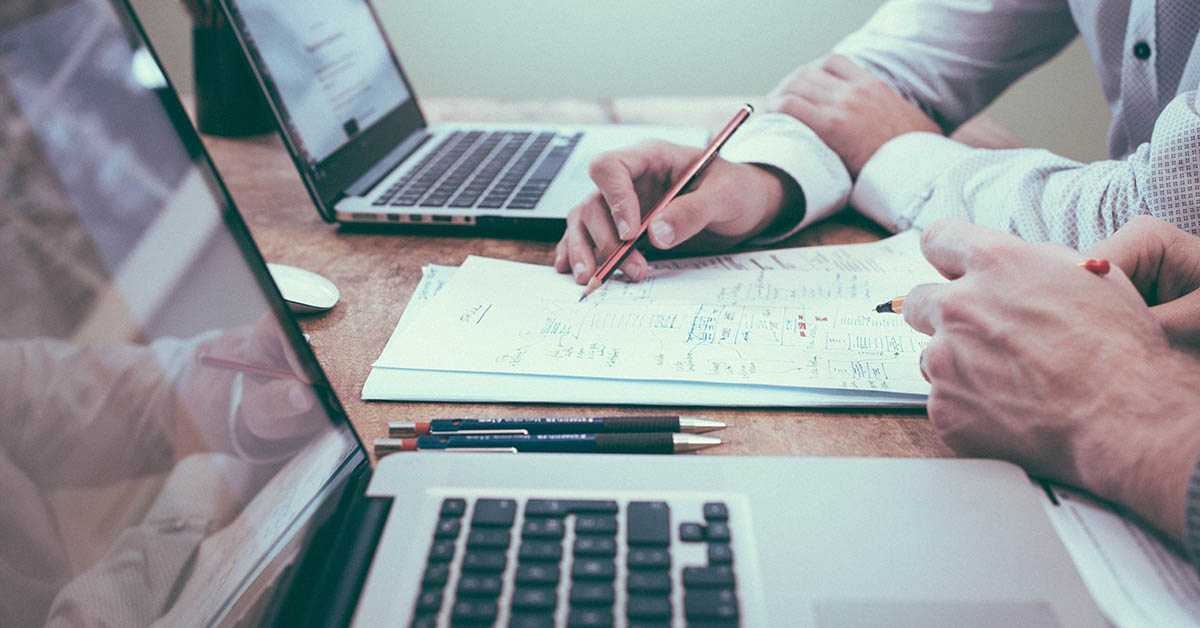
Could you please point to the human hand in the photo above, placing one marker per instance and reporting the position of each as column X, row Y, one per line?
column 850, row 109
column 1164, row 263
column 730, row 203
column 1064, row 372
column 272, row 415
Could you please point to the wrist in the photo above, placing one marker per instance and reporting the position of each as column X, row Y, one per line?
column 782, row 201
column 1144, row 452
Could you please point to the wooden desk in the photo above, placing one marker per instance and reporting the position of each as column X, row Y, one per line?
column 377, row 274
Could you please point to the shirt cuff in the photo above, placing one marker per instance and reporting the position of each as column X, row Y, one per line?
column 783, row 142
column 899, row 177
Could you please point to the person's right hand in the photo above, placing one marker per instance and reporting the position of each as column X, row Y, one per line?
column 1164, row 263
column 731, row 203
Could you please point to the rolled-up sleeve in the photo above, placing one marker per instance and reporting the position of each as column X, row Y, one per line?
column 919, row 177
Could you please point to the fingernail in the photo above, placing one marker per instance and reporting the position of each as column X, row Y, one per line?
column 663, row 233
column 623, row 229
column 580, row 269
column 297, row 397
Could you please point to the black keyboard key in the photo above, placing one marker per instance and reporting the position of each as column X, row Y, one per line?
column 648, row 607
column 436, row 575
column 537, row 573
column 447, row 528
column 539, row 599
column 648, row 558
column 479, row 585
column 588, row 617
column 718, row 532
column 593, row 569
column 540, row 551
column 585, row 593
column 488, row 538
column 597, row 546
column 708, row 577
column 654, row 623
column 691, row 532
column 648, row 582
column 720, row 554
column 474, row 612
column 441, row 551
column 543, row 528
column 715, row 511
column 648, row 523
column 429, row 601
column 453, row 507
column 424, row 621
column 531, row 620
column 484, row 562
column 596, row 524
column 494, row 513
column 720, row 604
column 563, row 507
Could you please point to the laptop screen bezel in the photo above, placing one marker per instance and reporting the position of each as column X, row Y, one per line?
column 328, row 181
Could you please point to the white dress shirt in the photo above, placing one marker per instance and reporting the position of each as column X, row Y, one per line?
column 952, row 58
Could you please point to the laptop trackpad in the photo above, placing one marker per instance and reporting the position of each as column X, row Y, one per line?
column 934, row 614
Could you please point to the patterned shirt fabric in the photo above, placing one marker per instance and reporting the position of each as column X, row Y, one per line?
column 952, row 58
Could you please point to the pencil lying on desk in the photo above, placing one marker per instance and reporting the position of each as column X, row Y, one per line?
column 615, row 258
column 647, row 443
column 557, row 425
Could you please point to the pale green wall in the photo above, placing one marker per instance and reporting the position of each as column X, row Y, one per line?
column 578, row 48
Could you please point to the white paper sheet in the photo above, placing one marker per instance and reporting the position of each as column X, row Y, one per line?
column 810, row 328
column 1135, row 579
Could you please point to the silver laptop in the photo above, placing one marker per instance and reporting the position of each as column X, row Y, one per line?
column 351, row 120
column 172, row 455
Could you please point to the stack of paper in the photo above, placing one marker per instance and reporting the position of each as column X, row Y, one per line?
column 792, row 327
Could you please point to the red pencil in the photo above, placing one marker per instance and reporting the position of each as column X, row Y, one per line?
column 617, row 256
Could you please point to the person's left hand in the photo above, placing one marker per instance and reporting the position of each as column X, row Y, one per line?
column 1164, row 263
column 1035, row 360
column 850, row 109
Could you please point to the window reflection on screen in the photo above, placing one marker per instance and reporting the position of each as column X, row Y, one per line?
column 159, row 434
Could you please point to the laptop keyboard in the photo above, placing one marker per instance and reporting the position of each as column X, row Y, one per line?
column 485, row 170
column 576, row 563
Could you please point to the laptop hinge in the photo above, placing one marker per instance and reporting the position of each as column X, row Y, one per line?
column 387, row 164
column 325, row 587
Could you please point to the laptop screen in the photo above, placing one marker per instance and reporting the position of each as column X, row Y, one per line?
column 338, row 93
column 331, row 67
column 164, row 428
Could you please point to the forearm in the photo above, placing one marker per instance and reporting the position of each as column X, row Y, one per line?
column 1034, row 193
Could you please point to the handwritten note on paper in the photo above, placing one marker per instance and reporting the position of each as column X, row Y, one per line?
column 779, row 327
column 897, row 254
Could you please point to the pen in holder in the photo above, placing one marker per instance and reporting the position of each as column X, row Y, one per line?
column 228, row 99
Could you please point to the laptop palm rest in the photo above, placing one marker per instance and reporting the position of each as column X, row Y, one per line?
column 934, row 614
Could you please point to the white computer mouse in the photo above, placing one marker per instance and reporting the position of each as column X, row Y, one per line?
column 306, row 292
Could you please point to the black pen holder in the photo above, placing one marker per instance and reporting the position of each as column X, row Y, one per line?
column 229, row 101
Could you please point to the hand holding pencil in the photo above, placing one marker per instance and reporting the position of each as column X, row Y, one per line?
column 732, row 202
